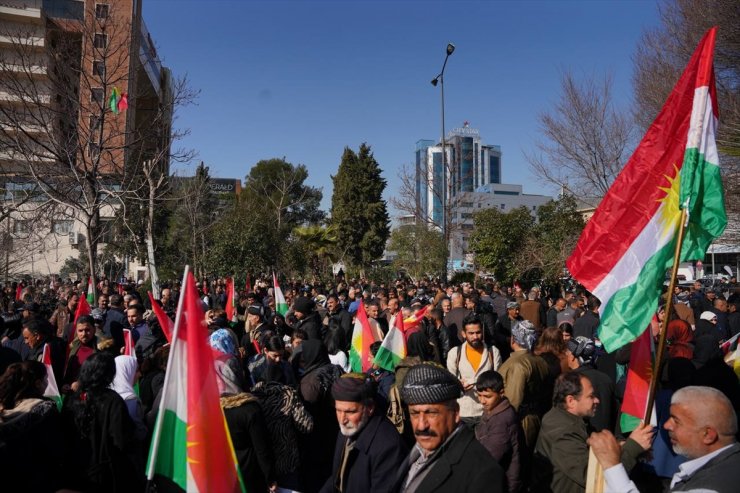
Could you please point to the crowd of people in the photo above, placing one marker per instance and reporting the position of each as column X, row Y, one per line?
column 502, row 389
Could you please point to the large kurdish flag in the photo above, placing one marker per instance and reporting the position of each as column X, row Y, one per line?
column 191, row 446
column 626, row 247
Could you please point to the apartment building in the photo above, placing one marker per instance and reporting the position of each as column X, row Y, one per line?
column 83, row 100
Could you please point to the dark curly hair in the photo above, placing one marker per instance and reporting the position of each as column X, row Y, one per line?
column 96, row 375
column 19, row 382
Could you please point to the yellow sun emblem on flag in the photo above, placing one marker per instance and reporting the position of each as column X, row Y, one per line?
column 669, row 212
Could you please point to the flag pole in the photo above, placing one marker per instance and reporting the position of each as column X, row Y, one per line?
column 160, row 415
column 666, row 318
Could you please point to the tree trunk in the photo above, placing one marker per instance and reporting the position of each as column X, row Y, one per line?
column 150, row 258
column 92, row 251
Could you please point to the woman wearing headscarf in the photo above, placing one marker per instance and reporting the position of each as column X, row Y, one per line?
column 247, row 429
column 31, row 446
column 680, row 339
column 100, row 433
column 123, row 384
column 317, row 448
column 228, row 368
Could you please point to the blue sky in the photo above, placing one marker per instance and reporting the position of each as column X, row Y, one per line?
column 304, row 79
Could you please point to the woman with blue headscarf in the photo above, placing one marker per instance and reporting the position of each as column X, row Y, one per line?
column 228, row 368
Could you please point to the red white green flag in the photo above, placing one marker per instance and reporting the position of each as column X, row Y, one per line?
column 281, row 306
column 90, row 291
column 637, row 387
column 52, row 391
column 231, row 300
column 191, row 446
column 626, row 247
column 360, row 359
column 393, row 348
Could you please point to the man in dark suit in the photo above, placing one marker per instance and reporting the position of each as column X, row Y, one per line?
column 447, row 457
column 369, row 450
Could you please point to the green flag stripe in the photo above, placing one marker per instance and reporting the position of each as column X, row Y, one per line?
column 172, row 455
column 386, row 359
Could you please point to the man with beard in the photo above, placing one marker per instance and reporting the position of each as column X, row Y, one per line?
column 369, row 450
column 561, row 455
column 467, row 362
column 446, row 458
column 702, row 427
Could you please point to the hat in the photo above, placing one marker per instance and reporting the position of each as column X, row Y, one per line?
column 303, row 304
column 524, row 334
column 429, row 383
column 254, row 310
column 707, row 315
column 351, row 387
column 416, row 301
column 582, row 348
column 512, row 304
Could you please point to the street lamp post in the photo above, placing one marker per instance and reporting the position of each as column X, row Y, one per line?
column 445, row 212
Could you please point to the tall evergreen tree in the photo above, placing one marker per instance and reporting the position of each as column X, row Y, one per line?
column 358, row 212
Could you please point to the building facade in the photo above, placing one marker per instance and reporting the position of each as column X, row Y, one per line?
column 467, row 165
column 83, row 98
column 450, row 189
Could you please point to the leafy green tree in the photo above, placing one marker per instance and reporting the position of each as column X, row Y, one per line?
column 419, row 250
column 498, row 237
column 358, row 211
column 319, row 244
column 257, row 235
column 281, row 187
column 543, row 255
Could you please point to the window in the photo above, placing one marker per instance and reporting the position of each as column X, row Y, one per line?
column 93, row 149
column 106, row 230
column 96, row 95
column 62, row 227
column 94, row 123
column 101, row 40
column 99, row 68
column 21, row 226
column 503, row 206
column 101, row 10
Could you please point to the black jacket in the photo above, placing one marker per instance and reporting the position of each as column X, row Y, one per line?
column 586, row 325
column 464, row 466
column 373, row 462
column 312, row 325
column 343, row 320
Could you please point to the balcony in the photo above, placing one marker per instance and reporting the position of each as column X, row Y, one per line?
column 15, row 98
column 30, row 70
column 35, row 41
column 21, row 10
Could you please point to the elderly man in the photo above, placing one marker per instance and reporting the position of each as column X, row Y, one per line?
column 702, row 427
column 561, row 454
column 446, row 458
column 369, row 450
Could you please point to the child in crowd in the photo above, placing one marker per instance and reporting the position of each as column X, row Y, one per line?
column 498, row 430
